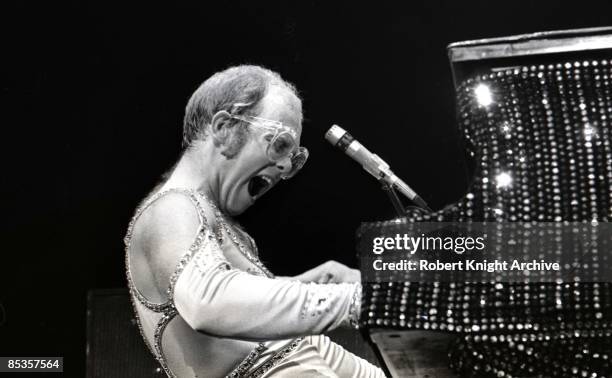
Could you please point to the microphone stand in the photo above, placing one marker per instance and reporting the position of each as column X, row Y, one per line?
column 397, row 204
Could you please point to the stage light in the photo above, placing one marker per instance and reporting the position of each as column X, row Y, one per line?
column 483, row 95
column 503, row 179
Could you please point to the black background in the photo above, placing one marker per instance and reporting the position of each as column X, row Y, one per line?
column 95, row 93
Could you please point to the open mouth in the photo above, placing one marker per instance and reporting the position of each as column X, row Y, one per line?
column 258, row 185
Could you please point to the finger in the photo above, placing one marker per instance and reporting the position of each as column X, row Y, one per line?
column 327, row 278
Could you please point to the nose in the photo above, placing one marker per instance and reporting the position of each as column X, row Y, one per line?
column 284, row 165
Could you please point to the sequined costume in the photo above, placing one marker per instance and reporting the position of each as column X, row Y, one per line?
column 541, row 137
column 250, row 324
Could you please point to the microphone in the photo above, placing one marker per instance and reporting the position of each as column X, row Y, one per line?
column 373, row 164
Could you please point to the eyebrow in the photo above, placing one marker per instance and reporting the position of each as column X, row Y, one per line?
column 260, row 122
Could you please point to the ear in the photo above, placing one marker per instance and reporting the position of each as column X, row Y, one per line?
column 220, row 128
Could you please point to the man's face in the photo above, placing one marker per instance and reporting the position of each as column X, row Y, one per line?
column 251, row 173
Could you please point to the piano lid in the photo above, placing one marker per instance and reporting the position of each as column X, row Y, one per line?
column 532, row 44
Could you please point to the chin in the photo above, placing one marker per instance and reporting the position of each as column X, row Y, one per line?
column 239, row 206
column 235, row 212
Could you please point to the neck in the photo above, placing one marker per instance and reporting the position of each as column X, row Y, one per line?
column 198, row 169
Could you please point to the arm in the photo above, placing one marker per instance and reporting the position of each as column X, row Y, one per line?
column 214, row 298
column 219, row 300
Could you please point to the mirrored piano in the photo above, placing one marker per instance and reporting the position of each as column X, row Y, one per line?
column 535, row 114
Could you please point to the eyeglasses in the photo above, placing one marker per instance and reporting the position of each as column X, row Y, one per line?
column 281, row 144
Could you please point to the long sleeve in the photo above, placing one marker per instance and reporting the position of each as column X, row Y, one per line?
column 214, row 298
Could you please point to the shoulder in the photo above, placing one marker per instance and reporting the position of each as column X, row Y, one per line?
column 171, row 216
column 175, row 211
column 165, row 231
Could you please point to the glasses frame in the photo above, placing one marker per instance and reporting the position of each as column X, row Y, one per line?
column 279, row 129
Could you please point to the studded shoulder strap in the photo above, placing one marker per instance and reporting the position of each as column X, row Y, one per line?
column 159, row 307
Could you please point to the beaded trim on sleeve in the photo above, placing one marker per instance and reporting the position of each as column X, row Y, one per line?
column 355, row 307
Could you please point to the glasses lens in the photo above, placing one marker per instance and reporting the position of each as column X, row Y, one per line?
column 297, row 162
column 281, row 146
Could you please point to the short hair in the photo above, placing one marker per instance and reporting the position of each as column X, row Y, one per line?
column 237, row 90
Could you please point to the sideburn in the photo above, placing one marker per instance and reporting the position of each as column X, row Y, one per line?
column 237, row 140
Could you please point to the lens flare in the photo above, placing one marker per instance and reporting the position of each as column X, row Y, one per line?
column 503, row 180
column 483, row 95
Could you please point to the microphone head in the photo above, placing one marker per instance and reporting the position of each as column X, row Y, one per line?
column 334, row 134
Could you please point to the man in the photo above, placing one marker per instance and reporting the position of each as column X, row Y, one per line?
column 206, row 305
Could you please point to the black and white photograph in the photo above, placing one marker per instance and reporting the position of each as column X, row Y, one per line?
column 307, row 189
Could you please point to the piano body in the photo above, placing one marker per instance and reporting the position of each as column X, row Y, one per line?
column 535, row 114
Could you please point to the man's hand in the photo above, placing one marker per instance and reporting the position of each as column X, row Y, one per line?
column 330, row 272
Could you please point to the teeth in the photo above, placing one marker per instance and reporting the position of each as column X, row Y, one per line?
column 258, row 187
column 267, row 179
